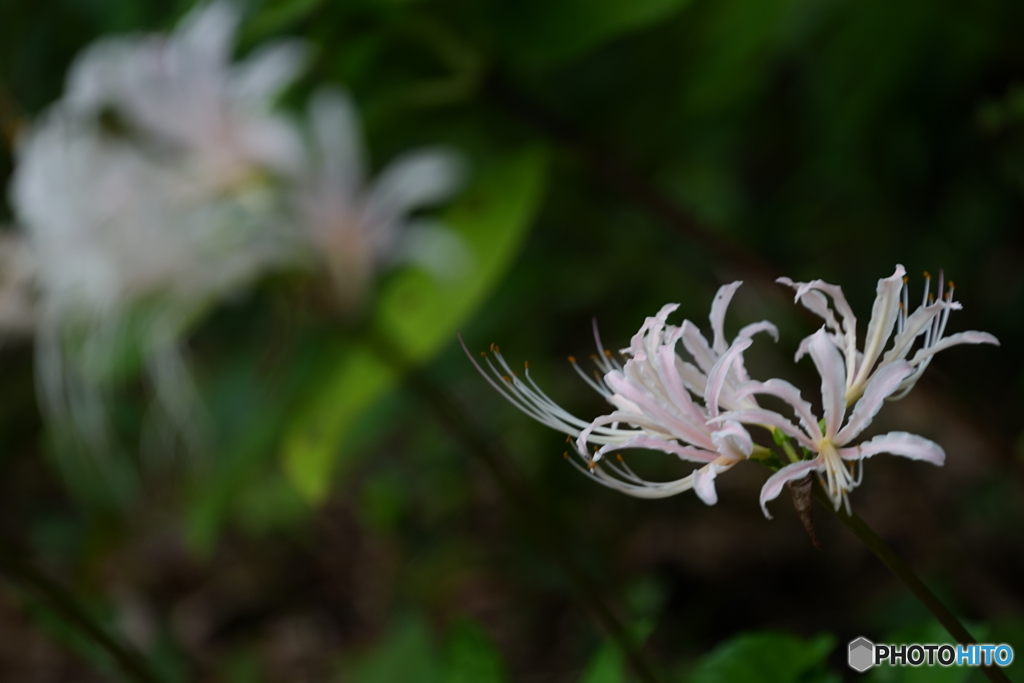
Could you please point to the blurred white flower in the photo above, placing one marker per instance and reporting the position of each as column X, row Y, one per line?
column 358, row 228
column 150, row 191
column 184, row 92
column 651, row 394
column 891, row 309
column 832, row 453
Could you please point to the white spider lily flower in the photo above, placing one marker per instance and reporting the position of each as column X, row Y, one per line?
column 120, row 242
column 891, row 309
column 183, row 92
column 651, row 393
column 358, row 227
column 834, row 457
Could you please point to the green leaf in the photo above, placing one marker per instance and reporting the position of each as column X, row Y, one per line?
column 549, row 32
column 418, row 313
column 472, row 657
column 766, row 658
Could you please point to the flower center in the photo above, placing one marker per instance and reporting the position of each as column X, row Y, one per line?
column 838, row 478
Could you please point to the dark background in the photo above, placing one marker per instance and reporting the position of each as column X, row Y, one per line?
column 682, row 144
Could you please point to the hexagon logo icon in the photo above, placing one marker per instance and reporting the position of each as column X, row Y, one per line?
column 861, row 655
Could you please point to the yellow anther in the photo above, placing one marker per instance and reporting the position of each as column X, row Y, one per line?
column 593, row 356
column 591, row 465
column 931, row 297
column 566, row 455
column 906, row 279
column 607, row 353
column 507, row 378
column 951, row 285
column 526, row 364
column 927, row 275
column 572, row 359
column 484, row 354
column 568, row 438
column 618, row 456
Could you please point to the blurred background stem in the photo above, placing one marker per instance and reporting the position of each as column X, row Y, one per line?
column 905, row 574
column 57, row 598
column 539, row 521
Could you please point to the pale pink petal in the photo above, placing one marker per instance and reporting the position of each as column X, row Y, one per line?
column 897, row 443
column 732, row 440
column 697, row 346
column 883, row 317
column 655, row 443
column 704, row 484
column 695, row 380
column 916, row 324
column 883, row 384
column 717, row 317
column 838, row 302
column 763, row 326
column 833, row 383
column 760, row 416
column 720, row 372
column 773, row 487
column 669, row 370
column 972, row 337
column 791, row 395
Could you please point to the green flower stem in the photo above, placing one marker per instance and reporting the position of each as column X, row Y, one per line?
column 62, row 602
column 515, row 487
column 898, row 567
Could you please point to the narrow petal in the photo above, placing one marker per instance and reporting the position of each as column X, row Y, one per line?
column 898, row 443
column 760, row 416
column 655, row 443
column 720, row 373
column 413, row 180
column 773, row 487
column 780, row 388
column 833, row 384
column 732, row 440
column 918, row 321
column 972, row 337
column 704, row 484
column 763, row 326
column 883, row 317
column 883, row 384
column 697, row 346
column 338, row 136
column 718, row 308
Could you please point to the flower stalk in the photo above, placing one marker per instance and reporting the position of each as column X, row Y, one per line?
column 905, row 574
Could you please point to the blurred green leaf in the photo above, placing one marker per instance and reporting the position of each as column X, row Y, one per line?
column 608, row 665
column 472, row 657
column 766, row 658
column 418, row 313
column 406, row 654
column 547, row 32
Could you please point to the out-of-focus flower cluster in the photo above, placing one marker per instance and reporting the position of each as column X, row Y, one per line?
column 700, row 411
column 167, row 179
